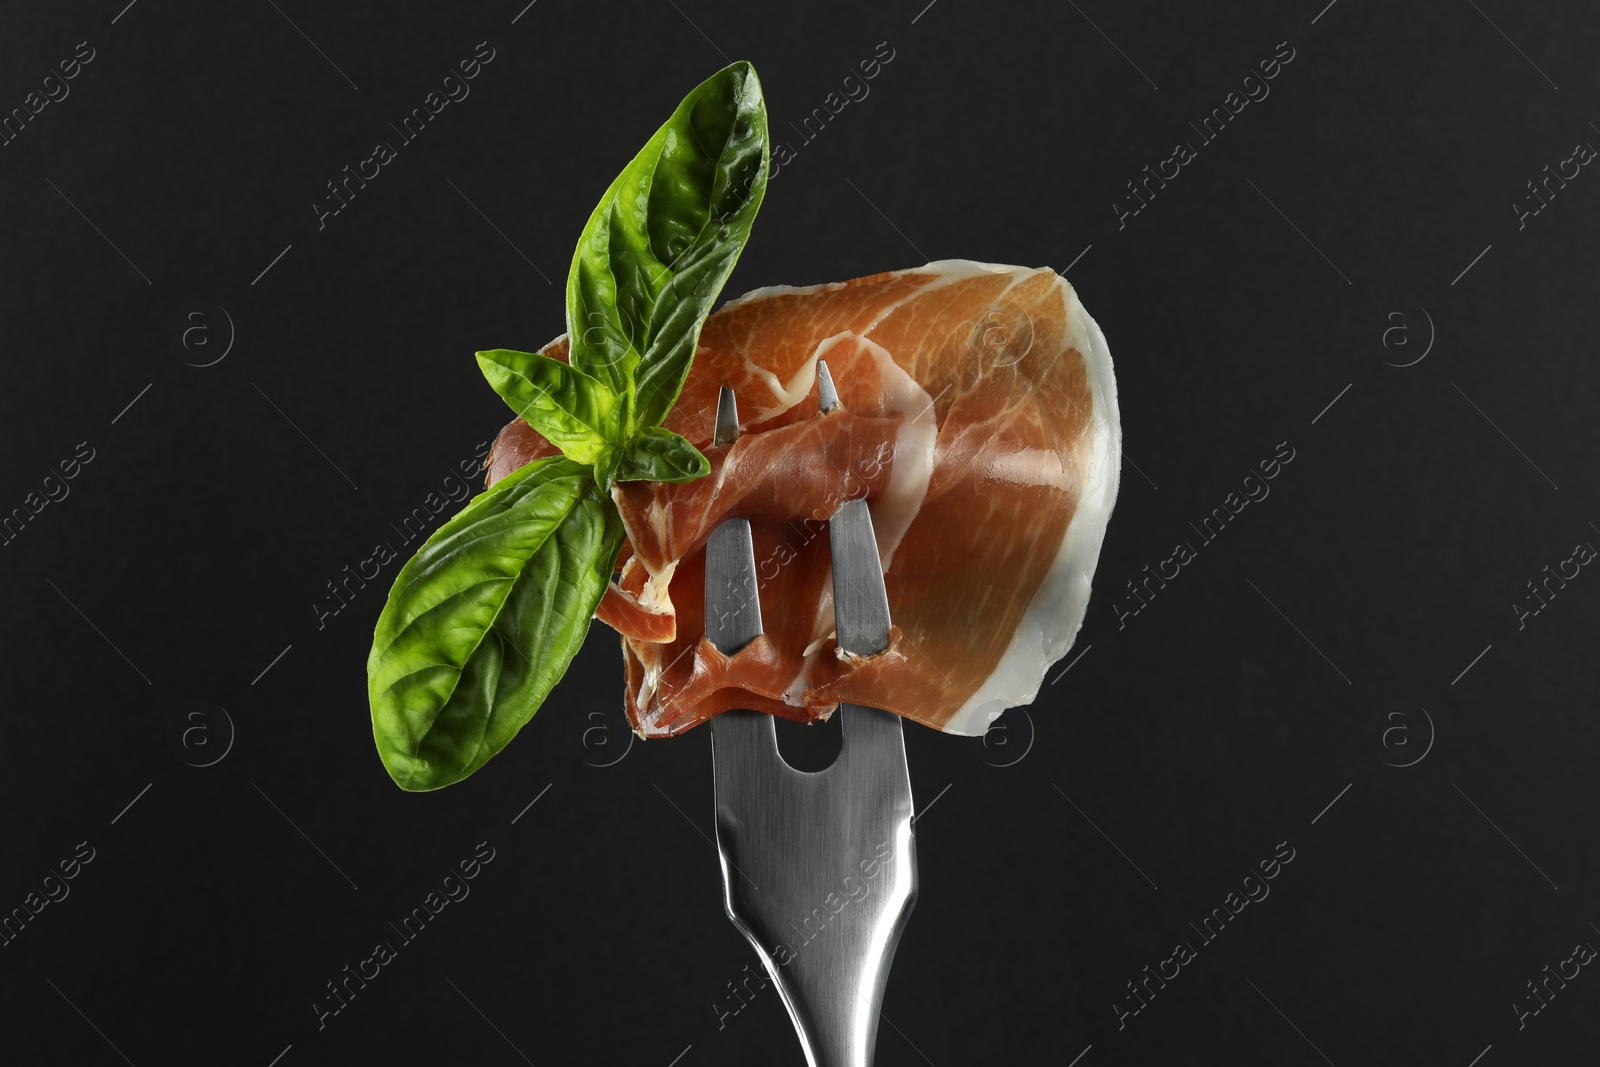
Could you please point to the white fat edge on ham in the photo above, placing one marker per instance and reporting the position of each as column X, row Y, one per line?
column 654, row 597
column 647, row 691
column 1053, row 617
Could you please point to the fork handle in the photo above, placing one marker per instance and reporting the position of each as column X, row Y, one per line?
column 819, row 871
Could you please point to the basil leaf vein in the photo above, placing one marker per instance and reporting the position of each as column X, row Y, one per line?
column 663, row 240
column 484, row 620
column 658, row 455
column 576, row 413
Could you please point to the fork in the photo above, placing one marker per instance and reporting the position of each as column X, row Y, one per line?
column 819, row 869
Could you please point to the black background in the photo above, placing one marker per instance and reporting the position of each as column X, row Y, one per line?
column 1218, row 722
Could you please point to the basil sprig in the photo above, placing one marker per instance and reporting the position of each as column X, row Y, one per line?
column 486, row 617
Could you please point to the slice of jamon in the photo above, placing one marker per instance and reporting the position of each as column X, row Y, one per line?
column 979, row 420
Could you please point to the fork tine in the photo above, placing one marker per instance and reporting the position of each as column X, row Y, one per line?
column 860, row 602
column 827, row 395
column 740, row 740
column 874, row 745
column 727, row 431
column 733, row 601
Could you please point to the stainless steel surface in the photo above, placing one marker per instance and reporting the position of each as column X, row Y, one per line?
column 827, row 395
column 733, row 609
column 727, row 430
column 860, row 604
column 818, row 869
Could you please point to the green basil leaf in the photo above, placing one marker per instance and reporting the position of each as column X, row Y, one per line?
column 664, row 239
column 484, row 620
column 576, row 413
column 659, row 455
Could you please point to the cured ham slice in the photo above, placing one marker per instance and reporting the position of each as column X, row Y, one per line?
column 979, row 420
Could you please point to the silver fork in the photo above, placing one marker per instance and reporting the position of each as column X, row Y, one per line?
column 819, row 870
